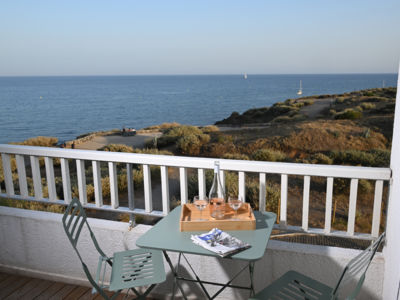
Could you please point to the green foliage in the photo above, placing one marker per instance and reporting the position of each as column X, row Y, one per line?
column 371, row 158
column 269, row 155
column 191, row 144
column 368, row 105
column 320, row 158
column 349, row 114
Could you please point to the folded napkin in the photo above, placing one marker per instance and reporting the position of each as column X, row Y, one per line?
column 219, row 242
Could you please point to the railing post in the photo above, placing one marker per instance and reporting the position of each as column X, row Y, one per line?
column 112, row 170
column 131, row 188
column 283, row 210
column 23, row 187
column 183, row 184
column 98, row 188
column 80, row 171
column 66, row 180
column 51, row 185
column 262, row 192
column 242, row 186
column 306, row 202
column 352, row 207
column 37, row 179
column 376, row 216
column 165, row 189
column 328, row 205
column 7, row 174
column 202, row 183
column 148, row 197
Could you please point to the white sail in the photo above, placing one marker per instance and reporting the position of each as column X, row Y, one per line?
column 300, row 90
column 245, row 76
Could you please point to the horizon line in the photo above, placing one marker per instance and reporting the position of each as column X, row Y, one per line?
column 218, row 74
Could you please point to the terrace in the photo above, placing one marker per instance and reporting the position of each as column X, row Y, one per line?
column 34, row 243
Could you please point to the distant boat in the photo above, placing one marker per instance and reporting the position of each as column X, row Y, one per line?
column 300, row 92
column 245, row 76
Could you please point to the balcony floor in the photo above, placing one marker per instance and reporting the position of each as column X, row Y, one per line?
column 25, row 288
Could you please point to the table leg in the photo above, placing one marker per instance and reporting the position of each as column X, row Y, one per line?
column 251, row 271
column 175, row 273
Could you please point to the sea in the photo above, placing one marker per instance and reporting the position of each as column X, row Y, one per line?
column 66, row 107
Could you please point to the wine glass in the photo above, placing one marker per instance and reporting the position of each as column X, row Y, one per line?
column 201, row 204
column 235, row 203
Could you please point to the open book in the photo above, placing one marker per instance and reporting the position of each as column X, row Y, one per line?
column 219, row 242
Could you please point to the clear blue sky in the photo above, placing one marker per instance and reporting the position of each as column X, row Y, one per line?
column 198, row 37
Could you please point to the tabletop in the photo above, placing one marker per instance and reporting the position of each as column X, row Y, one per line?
column 165, row 235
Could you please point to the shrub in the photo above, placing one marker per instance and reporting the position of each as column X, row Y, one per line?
column 320, row 158
column 42, row 141
column 349, row 114
column 117, row 148
column 269, row 155
column 372, row 158
column 282, row 119
column 210, row 128
column 308, row 102
column 191, row 144
column 368, row 105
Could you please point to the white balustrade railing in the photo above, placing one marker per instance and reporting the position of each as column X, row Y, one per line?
column 379, row 175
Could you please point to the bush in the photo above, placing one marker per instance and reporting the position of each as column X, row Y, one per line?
column 117, row 148
column 191, row 144
column 349, row 114
column 42, row 141
column 269, row 155
column 372, row 158
column 368, row 105
column 210, row 128
column 320, row 158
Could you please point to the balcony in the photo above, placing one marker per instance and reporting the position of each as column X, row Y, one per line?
column 34, row 243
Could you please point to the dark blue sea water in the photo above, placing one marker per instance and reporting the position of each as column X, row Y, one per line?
column 66, row 107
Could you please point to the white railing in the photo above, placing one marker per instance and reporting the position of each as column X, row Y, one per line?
column 379, row 175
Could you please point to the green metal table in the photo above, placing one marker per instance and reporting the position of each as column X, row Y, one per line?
column 165, row 236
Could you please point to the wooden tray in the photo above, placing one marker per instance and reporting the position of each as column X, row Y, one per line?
column 190, row 215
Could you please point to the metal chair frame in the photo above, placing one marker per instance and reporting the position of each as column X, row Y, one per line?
column 130, row 269
column 294, row 285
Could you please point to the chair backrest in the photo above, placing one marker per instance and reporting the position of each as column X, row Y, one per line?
column 358, row 266
column 74, row 220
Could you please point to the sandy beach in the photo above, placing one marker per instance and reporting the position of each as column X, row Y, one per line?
column 136, row 141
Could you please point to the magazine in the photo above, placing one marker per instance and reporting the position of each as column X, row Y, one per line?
column 219, row 242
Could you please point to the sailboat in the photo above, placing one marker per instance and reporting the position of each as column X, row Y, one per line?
column 300, row 92
column 245, row 76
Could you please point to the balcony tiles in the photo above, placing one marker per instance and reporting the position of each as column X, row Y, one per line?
column 25, row 288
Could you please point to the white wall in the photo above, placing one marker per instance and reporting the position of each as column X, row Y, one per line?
column 392, row 249
column 34, row 244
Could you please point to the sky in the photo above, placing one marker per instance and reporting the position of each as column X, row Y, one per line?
column 121, row 37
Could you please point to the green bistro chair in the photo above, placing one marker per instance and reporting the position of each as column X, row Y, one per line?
column 129, row 269
column 294, row 285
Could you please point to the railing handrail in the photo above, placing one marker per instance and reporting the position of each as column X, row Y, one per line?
column 372, row 173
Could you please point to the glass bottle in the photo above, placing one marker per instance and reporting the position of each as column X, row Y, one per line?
column 217, row 199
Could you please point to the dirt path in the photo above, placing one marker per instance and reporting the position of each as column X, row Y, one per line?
column 136, row 141
column 314, row 110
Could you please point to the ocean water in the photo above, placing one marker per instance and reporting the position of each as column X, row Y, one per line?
column 65, row 107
